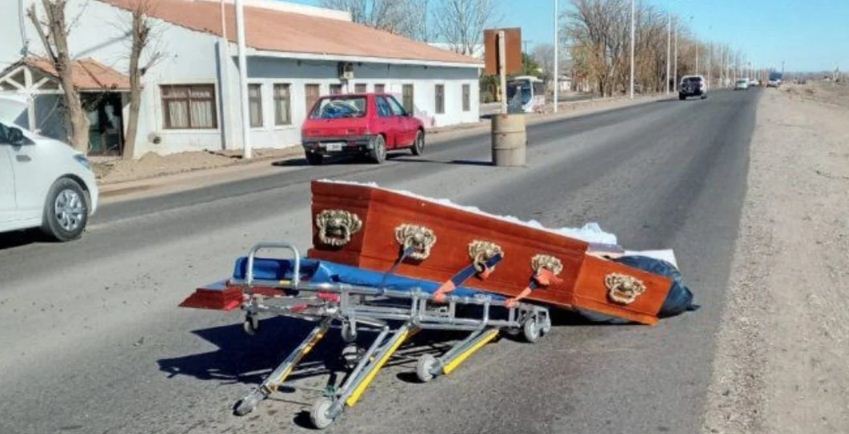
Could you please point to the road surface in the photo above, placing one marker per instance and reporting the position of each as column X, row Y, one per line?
column 92, row 340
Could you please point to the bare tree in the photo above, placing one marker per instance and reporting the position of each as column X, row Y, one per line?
column 543, row 55
column 141, row 34
column 53, row 32
column 461, row 22
column 404, row 17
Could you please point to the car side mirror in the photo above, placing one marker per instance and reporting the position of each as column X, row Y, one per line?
column 15, row 137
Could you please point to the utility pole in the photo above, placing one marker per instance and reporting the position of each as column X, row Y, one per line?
column 243, row 78
column 556, row 66
column 668, row 47
column 632, row 49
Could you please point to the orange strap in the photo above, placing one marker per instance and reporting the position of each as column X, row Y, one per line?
column 445, row 288
column 545, row 277
column 512, row 302
column 485, row 273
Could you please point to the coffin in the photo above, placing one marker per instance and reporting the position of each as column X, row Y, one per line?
column 370, row 227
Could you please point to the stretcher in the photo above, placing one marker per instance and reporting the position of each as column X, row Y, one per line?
column 361, row 302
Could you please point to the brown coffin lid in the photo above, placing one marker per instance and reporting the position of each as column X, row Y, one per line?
column 274, row 30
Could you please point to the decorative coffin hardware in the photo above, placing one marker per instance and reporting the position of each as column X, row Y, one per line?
column 420, row 238
column 482, row 251
column 623, row 289
column 548, row 262
column 336, row 226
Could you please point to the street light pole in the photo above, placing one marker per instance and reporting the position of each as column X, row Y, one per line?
column 556, row 66
column 632, row 49
column 243, row 78
column 668, row 47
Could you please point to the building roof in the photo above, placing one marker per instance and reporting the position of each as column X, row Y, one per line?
column 88, row 74
column 290, row 32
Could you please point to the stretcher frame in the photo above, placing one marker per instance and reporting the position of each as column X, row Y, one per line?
column 394, row 315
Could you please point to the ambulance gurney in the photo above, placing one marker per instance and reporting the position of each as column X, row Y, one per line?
column 357, row 300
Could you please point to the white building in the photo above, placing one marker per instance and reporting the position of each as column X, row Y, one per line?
column 191, row 100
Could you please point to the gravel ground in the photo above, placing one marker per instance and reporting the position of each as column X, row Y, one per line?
column 781, row 363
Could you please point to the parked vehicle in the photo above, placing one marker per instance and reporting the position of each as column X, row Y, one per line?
column 754, row 83
column 43, row 182
column 692, row 85
column 525, row 94
column 742, row 84
column 360, row 124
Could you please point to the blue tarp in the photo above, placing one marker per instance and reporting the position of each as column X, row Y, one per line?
column 318, row 271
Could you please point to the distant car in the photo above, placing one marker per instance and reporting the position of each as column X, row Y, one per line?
column 360, row 124
column 754, row 83
column 741, row 84
column 43, row 182
column 692, row 85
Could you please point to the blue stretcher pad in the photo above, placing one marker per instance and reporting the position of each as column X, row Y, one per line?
column 318, row 271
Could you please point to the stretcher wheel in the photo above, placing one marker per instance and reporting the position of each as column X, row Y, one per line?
column 546, row 325
column 531, row 330
column 351, row 355
column 425, row 367
column 251, row 325
column 248, row 403
column 320, row 413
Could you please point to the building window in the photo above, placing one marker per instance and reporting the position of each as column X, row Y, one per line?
column 282, row 104
column 360, row 88
column 379, row 88
column 407, row 96
column 312, row 92
column 467, row 97
column 255, row 104
column 335, row 89
column 439, row 98
column 189, row 107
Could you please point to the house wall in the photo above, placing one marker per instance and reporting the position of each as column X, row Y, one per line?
column 192, row 57
column 267, row 71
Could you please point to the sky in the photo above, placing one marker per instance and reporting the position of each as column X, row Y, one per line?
column 808, row 35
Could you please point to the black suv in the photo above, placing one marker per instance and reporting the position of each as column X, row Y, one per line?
column 692, row 85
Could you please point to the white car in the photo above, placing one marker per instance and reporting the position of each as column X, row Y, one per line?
column 742, row 84
column 43, row 182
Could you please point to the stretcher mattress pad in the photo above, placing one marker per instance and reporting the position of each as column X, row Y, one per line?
column 320, row 271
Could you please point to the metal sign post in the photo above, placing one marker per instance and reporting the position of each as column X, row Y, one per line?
column 502, row 69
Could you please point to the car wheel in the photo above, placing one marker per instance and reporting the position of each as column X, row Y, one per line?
column 682, row 97
column 314, row 159
column 419, row 144
column 378, row 152
column 66, row 211
column 704, row 96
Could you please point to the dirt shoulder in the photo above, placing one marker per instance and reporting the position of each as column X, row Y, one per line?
column 783, row 348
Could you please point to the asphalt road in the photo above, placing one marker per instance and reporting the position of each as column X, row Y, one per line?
column 92, row 340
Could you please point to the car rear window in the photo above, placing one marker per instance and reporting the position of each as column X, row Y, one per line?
column 690, row 80
column 339, row 107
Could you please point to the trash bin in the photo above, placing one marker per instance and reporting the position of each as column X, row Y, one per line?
column 509, row 140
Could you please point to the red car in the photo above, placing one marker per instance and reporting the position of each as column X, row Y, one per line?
column 360, row 124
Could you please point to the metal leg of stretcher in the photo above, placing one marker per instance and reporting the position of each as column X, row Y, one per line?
column 278, row 376
column 429, row 366
column 327, row 409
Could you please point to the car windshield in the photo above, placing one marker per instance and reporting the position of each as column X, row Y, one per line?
column 692, row 80
column 742, row 81
column 520, row 88
column 340, row 107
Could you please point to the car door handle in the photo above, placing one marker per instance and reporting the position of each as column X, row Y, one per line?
column 23, row 158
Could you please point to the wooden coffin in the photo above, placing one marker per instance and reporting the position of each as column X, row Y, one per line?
column 366, row 226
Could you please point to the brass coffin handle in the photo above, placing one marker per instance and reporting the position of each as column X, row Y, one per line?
column 623, row 289
column 482, row 251
column 337, row 226
column 548, row 262
column 420, row 238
